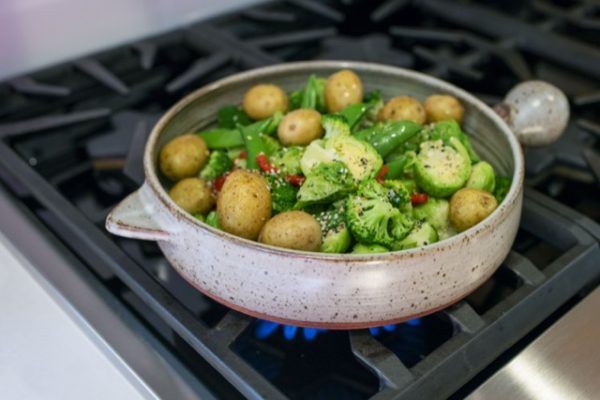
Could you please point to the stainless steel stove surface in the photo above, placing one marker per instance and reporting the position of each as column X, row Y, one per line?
column 71, row 146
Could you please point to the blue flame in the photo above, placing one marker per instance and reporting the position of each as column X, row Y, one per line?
column 264, row 329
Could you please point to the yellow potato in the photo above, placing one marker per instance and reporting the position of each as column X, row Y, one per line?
column 193, row 195
column 244, row 204
column 300, row 127
column 264, row 100
column 440, row 107
column 183, row 157
column 292, row 230
column 470, row 206
column 403, row 108
column 342, row 89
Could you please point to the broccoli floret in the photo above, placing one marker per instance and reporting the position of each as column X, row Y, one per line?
column 360, row 157
column 335, row 125
column 371, row 217
column 218, row 163
column 434, row 211
column 287, row 159
column 502, row 187
column 325, row 183
column 398, row 194
column 283, row 194
column 336, row 236
column 212, row 219
column 360, row 248
column 482, row 177
column 442, row 169
column 421, row 235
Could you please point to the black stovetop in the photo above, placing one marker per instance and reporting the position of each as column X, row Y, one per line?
column 71, row 148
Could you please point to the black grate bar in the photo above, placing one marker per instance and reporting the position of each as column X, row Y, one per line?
column 503, row 50
column 587, row 99
column 589, row 126
column 292, row 37
column 147, row 53
column 71, row 173
column 198, row 69
column 134, row 163
column 319, row 8
column 100, row 73
column 232, row 325
column 577, row 15
column 445, row 61
column 88, row 241
column 524, row 268
column 593, row 160
column 464, row 316
column 386, row 9
column 590, row 226
column 542, row 224
column 565, row 51
column 51, row 122
column 206, row 38
column 269, row 16
column 27, row 85
column 379, row 359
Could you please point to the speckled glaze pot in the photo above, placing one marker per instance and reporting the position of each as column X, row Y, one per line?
column 340, row 291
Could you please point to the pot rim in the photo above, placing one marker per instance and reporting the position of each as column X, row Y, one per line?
column 497, row 216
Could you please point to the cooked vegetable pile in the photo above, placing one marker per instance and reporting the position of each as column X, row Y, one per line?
column 328, row 168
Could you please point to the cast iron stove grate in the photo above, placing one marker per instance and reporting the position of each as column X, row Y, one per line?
column 71, row 146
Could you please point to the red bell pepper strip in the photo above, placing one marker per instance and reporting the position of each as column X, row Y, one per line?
column 219, row 182
column 264, row 164
column 382, row 173
column 295, row 180
column 418, row 198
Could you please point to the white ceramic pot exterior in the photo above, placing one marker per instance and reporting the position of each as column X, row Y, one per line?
column 315, row 289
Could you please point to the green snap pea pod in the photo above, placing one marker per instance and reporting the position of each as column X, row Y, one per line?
column 386, row 137
column 253, row 141
column 229, row 117
column 354, row 113
column 314, row 93
column 222, row 138
column 397, row 167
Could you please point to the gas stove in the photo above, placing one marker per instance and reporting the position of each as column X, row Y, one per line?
column 71, row 147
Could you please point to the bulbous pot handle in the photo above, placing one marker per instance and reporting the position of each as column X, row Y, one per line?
column 137, row 217
column 536, row 111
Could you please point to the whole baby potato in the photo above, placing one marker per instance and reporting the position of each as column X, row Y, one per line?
column 244, row 204
column 440, row 107
column 183, row 157
column 264, row 100
column 342, row 89
column 293, row 230
column 193, row 195
column 300, row 127
column 470, row 206
column 403, row 107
